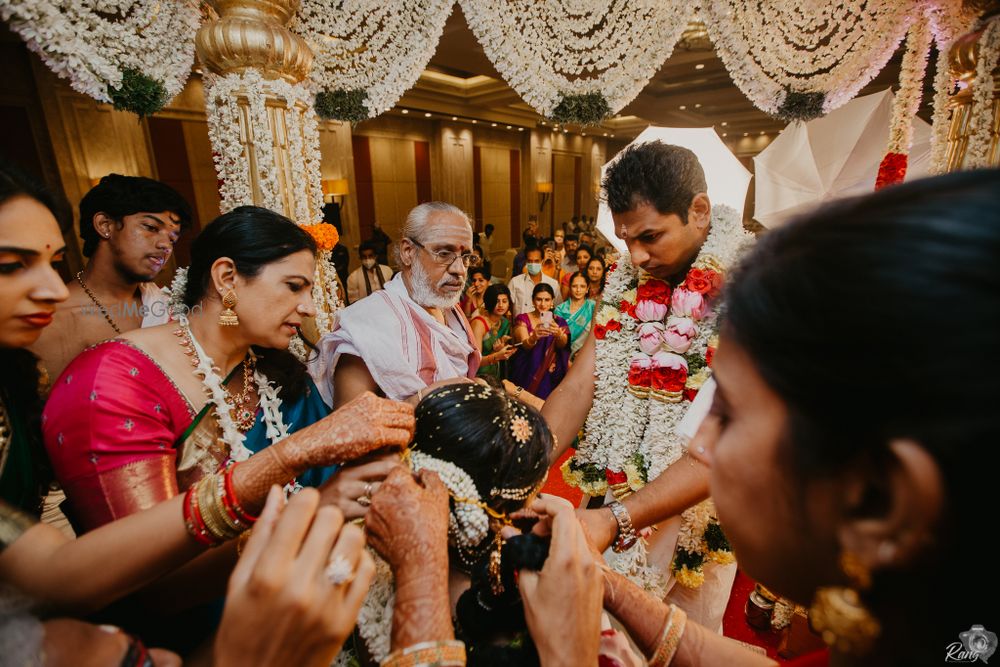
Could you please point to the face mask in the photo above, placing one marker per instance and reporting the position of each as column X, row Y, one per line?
column 534, row 268
column 368, row 263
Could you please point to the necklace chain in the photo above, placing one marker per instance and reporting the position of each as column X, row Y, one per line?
column 100, row 306
column 242, row 411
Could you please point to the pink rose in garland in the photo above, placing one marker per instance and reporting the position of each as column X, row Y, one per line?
column 650, row 336
column 686, row 303
column 669, row 371
column 679, row 334
column 650, row 311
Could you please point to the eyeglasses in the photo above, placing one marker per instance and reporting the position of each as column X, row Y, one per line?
column 447, row 257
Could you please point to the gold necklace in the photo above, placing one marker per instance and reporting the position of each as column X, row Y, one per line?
column 100, row 306
column 244, row 412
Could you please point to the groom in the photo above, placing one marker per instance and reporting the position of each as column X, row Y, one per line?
column 657, row 196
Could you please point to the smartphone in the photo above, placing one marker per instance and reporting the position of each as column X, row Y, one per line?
column 546, row 318
column 517, row 344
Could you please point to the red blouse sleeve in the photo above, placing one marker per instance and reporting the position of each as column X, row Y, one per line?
column 109, row 427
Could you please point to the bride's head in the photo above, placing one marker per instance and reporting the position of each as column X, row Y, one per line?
column 491, row 451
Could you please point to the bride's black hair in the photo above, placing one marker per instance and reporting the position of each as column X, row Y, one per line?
column 505, row 447
column 252, row 237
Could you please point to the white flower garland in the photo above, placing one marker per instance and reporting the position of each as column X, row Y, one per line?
column 468, row 525
column 545, row 50
column 949, row 20
column 911, row 87
column 836, row 48
column 981, row 133
column 90, row 42
column 376, row 46
column 217, row 396
column 622, row 426
column 175, row 293
column 222, row 102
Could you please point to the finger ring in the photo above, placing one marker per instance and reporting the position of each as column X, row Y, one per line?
column 364, row 501
column 368, row 490
column 339, row 571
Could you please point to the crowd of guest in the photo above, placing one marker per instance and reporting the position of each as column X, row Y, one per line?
column 213, row 479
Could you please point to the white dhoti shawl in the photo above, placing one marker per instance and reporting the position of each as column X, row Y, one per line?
column 403, row 346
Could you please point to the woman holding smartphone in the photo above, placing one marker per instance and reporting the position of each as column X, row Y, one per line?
column 543, row 358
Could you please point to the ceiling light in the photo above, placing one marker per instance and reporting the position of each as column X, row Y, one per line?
column 509, row 127
column 543, row 122
column 474, row 121
column 700, row 66
column 724, row 123
column 427, row 115
column 612, row 136
column 565, row 130
column 682, row 107
column 454, row 117
column 725, row 134
column 406, row 111
column 493, row 124
column 697, row 106
column 520, row 129
column 583, row 134
column 762, row 133
column 605, row 134
column 746, row 134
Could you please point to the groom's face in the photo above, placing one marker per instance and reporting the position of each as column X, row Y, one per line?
column 661, row 243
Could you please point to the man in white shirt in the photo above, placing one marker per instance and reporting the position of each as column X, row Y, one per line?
column 522, row 286
column 370, row 276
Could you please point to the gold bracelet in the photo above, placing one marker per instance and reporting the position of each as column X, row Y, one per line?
column 670, row 639
column 445, row 653
column 213, row 514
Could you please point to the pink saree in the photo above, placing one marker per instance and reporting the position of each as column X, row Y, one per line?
column 110, row 427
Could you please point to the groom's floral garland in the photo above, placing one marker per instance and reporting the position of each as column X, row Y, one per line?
column 654, row 348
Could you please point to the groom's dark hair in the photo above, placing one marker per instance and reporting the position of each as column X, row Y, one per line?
column 662, row 175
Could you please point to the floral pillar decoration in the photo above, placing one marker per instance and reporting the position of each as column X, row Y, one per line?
column 905, row 105
column 261, row 123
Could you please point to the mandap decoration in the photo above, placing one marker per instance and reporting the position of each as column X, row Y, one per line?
column 949, row 20
column 368, row 52
column 905, row 105
column 655, row 347
column 798, row 61
column 134, row 54
column 577, row 61
column 981, row 149
column 264, row 133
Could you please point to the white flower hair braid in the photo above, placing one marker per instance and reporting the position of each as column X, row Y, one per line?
column 468, row 522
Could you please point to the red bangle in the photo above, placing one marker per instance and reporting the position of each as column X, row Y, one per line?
column 231, row 502
column 193, row 521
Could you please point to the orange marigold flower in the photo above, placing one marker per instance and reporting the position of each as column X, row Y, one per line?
column 324, row 234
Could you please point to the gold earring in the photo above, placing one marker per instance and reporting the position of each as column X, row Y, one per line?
column 839, row 615
column 228, row 317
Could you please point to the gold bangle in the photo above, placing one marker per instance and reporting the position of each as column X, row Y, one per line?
column 241, row 541
column 212, row 513
column 445, row 653
column 670, row 639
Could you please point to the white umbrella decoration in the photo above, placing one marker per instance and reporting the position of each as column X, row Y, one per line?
column 830, row 157
column 727, row 178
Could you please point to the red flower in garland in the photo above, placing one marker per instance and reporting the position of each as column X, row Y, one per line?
column 615, row 476
column 709, row 355
column 892, row 170
column 689, row 394
column 613, row 325
column 628, row 308
column 703, row 281
column 654, row 290
column 600, row 332
column 669, row 379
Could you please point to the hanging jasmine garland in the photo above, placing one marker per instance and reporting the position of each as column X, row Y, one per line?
column 577, row 61
column 905, row 105
column 135, row 54
column 949, row 20
column 368, row 52
column 982, row 143
column 800, row 60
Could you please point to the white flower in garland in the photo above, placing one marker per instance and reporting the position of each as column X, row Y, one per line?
column 828, row 50
column 93, row 42
column 548, row 50
column 374, row 46
column 980, row 151
column 911, row 84
column 949, row 20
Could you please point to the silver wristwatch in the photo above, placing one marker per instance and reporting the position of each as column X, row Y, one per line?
column 626, row 532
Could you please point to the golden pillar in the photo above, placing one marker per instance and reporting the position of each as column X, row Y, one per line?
column 261, row 122
column 963, row 59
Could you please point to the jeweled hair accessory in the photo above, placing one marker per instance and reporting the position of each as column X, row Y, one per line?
column 521, row 429
column 468, row 522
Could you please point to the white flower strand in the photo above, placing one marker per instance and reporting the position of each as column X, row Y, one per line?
column 373, row 45
column 217, row 396
column 90, row 42
column 911, row 87
column 544, row 50
column 833, row 48
column 981, row 133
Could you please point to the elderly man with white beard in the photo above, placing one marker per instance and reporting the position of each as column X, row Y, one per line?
column 406, row 337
